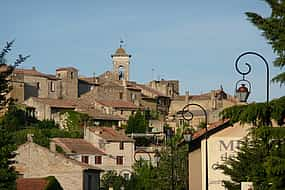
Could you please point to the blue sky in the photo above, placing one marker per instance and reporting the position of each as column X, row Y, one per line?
column 195, row 42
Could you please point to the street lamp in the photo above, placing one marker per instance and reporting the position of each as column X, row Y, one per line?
column 169, row 134
column 188, row 115
column 243, row 92
column 243, row 95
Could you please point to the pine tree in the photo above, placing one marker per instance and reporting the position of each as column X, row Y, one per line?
column 260, row 159
column 7, row 145
column 273, row 29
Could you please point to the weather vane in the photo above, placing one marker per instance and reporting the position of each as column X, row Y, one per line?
column 121, row 43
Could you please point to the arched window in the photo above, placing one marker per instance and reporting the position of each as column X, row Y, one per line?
column 121, row 72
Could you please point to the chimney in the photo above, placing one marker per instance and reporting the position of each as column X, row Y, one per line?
column 187, row 97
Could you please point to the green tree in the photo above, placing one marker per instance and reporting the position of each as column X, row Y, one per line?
column 260, row 158
column 137, row 123
column 173, row 156
column 112, row 179
column 7, row 145
column 273, row 29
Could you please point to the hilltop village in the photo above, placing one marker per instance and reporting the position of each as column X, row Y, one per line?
column 108, row 101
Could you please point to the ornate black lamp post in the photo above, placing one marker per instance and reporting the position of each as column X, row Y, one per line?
column 188, row 115
column 243, row 91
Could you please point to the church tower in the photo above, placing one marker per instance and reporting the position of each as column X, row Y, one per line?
column 121, row 62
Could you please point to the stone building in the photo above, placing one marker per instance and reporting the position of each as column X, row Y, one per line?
column 35, row 161
column 102, row 147
column 213, row 102
column 119, row 148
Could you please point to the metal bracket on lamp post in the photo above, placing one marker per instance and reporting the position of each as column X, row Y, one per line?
column 188, row 115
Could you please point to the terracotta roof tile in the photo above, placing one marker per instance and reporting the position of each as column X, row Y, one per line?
column 210, row 127
column 32, row 183
column 33, row 72
column 109, row 134
column 75, row 145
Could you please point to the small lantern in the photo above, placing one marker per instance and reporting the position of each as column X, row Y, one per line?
column 242, row 93
column 187, row 135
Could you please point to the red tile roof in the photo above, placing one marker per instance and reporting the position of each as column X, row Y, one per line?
column 117, row 103
column 33, row 72
column 75, row 145
column 32, row 183
column 211, row 126
column 109, row 134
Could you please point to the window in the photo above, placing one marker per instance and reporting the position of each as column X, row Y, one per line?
column 119, row 160
column 71, row 75
column 121, row 95
column 85, row 159
column 98, row 159
column 52, row 86
column 133, row 97
column 122, row 112
column 121, row 145
column 38, row 85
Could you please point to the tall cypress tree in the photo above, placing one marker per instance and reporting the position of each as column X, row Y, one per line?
column 7, row 146
column 273, row 29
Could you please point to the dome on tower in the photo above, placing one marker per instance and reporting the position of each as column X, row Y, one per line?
column 121, row 52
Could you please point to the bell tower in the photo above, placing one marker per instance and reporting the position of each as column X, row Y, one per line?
column 121, row 62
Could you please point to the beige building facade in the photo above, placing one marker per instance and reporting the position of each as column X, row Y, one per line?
column 119, row 149
column 34, row 161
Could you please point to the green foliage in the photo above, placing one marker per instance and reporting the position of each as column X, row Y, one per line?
column 260, row 159
column 112, row 179
column 7, row 147
column 145, row 176
column 173, row 156
column 273, row 29
column 257, row 113
column 53, row 184
column 17, row 122
column 75, row 121
column 137, row 123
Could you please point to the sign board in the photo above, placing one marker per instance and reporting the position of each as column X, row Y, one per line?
column 219, row 150
column 246, row 186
